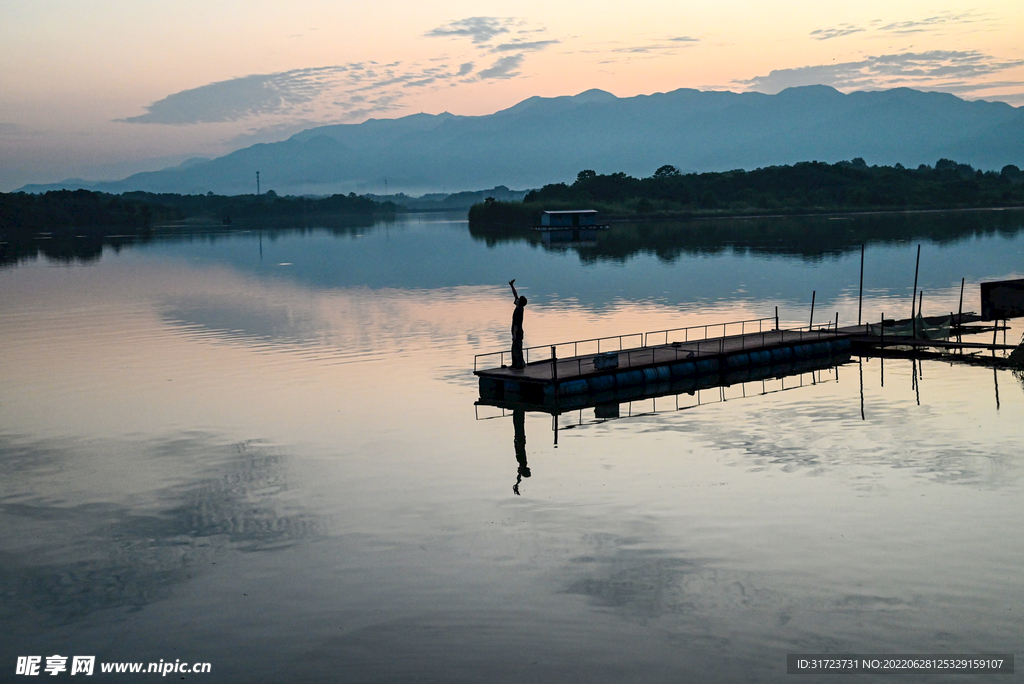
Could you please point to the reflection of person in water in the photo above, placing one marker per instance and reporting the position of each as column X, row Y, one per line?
column 519, row 424
column 517, row 329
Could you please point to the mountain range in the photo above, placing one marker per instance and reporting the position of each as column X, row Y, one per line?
column 547, row 140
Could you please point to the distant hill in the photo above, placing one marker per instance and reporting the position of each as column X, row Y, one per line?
column 548, row 140
column 450, row 202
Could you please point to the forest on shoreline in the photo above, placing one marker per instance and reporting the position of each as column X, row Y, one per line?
column 72, row 225
column 138, row 211
column 803, row 188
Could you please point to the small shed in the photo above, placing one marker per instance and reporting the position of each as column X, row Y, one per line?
column 1002, row 299
column 573, row 218
column 574, row 225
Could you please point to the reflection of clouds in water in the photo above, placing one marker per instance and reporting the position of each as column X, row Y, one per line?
column 703, row 606
column 622, row 574
column 91, row 556
column 896, row 435
column 353, row 325
column 249, row 318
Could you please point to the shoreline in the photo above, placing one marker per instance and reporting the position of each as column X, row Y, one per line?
column 823, row 213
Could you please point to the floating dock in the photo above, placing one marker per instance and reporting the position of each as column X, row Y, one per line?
column 693, row 358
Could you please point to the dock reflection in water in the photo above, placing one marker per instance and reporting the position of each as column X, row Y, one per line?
column 679, row 395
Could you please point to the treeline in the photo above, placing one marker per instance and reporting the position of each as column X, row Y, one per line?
column 806, row 187
column 80, row 209
column 266, row 205
column 135, row 211
column 75, row 225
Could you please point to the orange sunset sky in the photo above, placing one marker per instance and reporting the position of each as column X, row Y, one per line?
column 100, row 89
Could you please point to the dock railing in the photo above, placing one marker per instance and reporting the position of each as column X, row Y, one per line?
column 568, row 353
column 689, row 332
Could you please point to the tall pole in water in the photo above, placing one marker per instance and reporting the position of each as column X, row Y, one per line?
column 257, row 182
column 860, row 298
column 810, row 324
column 960, row 317
column 913, row 300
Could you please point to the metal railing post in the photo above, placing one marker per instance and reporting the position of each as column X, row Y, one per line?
column 554, row 369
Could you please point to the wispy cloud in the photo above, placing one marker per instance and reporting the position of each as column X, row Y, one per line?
column 836, row 32
column 238, row 98
column 654, row 47
column 505, row 67
column 524, row 46
column 477, row 29
column 345, row 91
column 518, row 39
column 935, row 22
column 945, row 70
column 341, row 92
column 929, row 23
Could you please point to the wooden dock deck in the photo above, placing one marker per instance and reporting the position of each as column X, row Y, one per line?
column 585, row 365
column 671, row 363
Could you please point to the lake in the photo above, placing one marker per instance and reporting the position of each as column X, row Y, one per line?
column 261, row 450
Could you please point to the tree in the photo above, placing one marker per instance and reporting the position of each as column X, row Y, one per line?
column 666, row 171
column 585, row 175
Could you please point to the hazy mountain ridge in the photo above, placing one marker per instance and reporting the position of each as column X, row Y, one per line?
column 545, row 140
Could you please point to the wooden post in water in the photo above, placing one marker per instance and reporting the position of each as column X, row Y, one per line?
column 913, row 300
column 860, row 297
column 881, row 330
column 776, row 318
column 960, row 318
column 837, row 322
column 810, row 324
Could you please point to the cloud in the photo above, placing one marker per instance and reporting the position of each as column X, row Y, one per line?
column 503, row 68
column 307, row 95
column 916, row 26
column 239, row 98
column 342, row 92
column 912, row 26
column 646, row 49
column 477, row 29
column 944, row 70
column 521, row 39
column 659, row 46
column 836, row 32
column 524, row 46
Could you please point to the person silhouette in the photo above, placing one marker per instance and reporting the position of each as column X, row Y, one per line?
column 518, row 363
column 519, row 425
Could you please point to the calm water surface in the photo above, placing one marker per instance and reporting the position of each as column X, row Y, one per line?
column 262, row 452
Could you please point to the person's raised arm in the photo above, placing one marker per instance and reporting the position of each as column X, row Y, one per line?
column 511, row 284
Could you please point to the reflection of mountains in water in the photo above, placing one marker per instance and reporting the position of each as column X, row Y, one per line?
column 83, row 245
column 809, row 237
column 101, row 556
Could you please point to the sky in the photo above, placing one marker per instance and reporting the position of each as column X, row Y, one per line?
column 100, row 89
